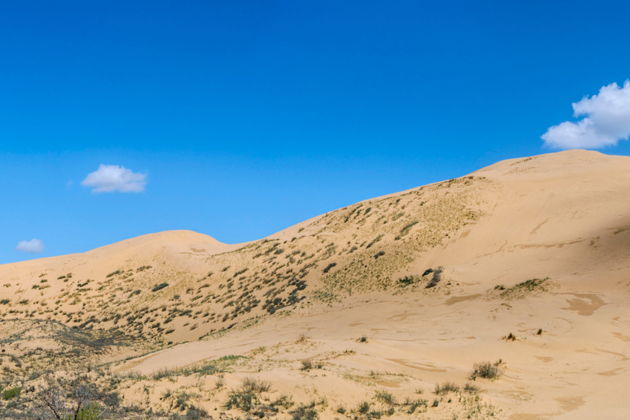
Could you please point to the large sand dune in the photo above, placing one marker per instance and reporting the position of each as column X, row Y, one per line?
column 523, row 264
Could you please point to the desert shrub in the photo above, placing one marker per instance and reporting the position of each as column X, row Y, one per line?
column 133, row 293
column 305, row 412
column 362, row 339
column 407, row 281
column 309, row 364
column 524, row 287
column 486, row 370
column 5, row 301
column 385, row 397
column 196, row 413
column 159, row 287
column 413, row 405
column 92, row 411
column 10, row 393
column 242, row 400
column 405, row 230
column 328, row 267
column 247, row 397
column 181, row 400
column 375, row 240
column 363, row 408
column 256, row 386
column 471, row 389
column 531, row 284
column 74, row 398
column 284, row 401
column 445, row 388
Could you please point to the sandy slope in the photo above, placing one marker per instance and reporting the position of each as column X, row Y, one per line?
column 563, row 217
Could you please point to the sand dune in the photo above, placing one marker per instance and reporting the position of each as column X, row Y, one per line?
column 523, row 264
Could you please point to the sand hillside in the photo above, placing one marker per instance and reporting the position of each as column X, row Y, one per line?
column 364, row 312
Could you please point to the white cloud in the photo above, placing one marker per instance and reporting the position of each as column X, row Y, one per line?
column 114, row 178
column 606, row 121
column 34, row 246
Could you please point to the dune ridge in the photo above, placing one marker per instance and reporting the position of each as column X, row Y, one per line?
column 522, row 265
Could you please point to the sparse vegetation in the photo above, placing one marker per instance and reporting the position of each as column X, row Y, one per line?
column 305, row 412
column 158, row 287
column 405, row 230
column 523, row 288
column 328, row 267
column 408, row 280
column 309, row 364
column 471, row 389
column 90, row 319
column 486, row 370
column 385, row 397
column 247, row 397
column 445, row 388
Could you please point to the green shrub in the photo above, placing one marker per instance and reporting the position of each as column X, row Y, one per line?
column 10, row 393
column 92, row 412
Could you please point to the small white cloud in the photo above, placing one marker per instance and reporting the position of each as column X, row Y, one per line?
column 114, row 178
column 34, row 246
column 606, row 121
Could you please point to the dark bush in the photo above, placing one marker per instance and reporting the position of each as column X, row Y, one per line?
column 159, row 287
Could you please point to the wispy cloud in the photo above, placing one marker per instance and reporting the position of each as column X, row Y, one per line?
column 605, row 122
column 34, row 246
column 115, row 178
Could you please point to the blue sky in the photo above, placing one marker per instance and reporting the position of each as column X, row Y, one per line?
column 247, row 117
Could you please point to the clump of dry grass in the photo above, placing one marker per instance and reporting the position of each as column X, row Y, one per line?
column 486, row 370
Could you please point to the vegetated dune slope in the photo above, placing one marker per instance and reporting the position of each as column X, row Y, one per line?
column 523, row 263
